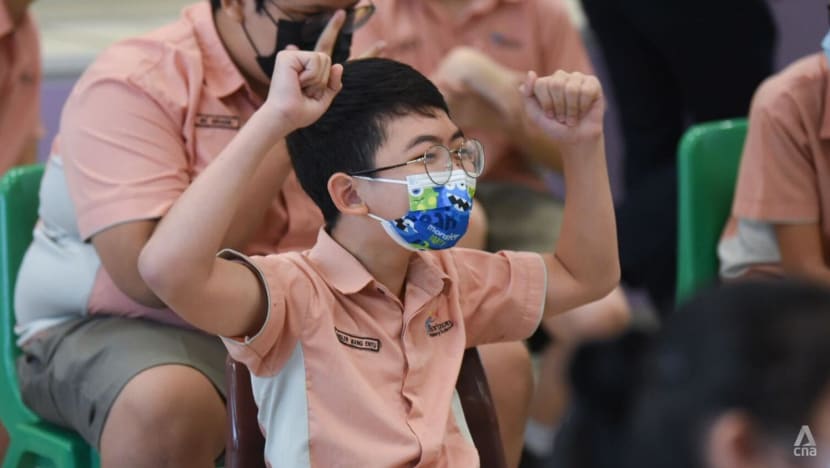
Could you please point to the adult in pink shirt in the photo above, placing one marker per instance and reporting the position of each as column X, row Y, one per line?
column 780, row 220
column 101, row 353
column 20, row 75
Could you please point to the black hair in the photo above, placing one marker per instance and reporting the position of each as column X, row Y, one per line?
column 216, row 4
column 348, row 135
column 605, row 376
column 759, row 347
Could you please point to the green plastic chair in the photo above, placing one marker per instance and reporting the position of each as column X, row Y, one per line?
column 707, row 165
column 34, row 442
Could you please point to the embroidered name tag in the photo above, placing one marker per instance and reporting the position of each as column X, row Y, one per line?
column 358, row 342
column 502, row 40
column 217, row 121
column 435, row 329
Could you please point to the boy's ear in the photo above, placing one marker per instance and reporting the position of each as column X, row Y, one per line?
column 731, row 442
column 234, row 9
column 344, row 195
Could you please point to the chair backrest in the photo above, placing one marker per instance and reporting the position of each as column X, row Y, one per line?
column 707, row 165
column 18, row 213
column 244, row 444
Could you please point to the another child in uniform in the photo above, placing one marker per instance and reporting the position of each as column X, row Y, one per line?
column 781, row 213
column 355, row 345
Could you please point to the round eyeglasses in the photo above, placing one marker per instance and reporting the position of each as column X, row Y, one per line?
column 438, row 162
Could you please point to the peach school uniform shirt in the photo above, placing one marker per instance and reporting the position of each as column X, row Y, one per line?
column 20, row 77
column 785, row 168
column 142, row 122
column 519, row 34
column 346, row 374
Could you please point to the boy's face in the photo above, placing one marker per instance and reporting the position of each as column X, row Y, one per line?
column 408, row 138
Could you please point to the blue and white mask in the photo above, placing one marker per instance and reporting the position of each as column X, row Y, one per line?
column 438, row 214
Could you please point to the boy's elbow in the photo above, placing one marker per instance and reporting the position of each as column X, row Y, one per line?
column 156, row 273
column 606, row 281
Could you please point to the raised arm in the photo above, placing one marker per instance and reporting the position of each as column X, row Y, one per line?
column 568, row 108
column 179, row 262
column 483, row 93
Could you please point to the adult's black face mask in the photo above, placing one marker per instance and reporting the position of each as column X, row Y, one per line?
column 296, row 33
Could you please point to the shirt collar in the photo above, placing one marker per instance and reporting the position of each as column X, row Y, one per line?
column 222, row 77
column 342, row 271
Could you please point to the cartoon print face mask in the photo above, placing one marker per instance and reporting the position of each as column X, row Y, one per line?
column 438, row 214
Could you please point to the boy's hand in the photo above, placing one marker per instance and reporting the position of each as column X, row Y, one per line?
column 568, row 107
column 303, row 86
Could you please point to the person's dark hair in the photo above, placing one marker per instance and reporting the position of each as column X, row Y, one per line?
column 605, row 377
column 216, row 4
column 762, row 348
column 348, row 135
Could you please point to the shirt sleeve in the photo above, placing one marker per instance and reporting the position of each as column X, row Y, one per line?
column 271, row 346
column 6, row 24
column 124, row 154
column 502, row 294
column 777, row 182
column 560, row 41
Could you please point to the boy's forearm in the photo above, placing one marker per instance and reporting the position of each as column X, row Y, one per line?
column 193, row 230
column 587, row 246
column 536, row 146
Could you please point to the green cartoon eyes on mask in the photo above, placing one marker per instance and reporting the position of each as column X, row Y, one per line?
column 438, row 215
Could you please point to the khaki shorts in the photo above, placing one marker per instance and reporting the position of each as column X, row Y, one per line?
column 519, row 218
column 72, row 373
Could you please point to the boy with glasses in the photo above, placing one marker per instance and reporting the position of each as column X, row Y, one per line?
column 355, row 344
column 477, row 53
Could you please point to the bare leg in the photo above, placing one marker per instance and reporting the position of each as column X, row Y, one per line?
column 510, row 376
column 166, row 416
column 598, row 320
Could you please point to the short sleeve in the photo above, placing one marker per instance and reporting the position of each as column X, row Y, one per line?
column 269, row 348
column 560, row 42
column 124, row 155
column 777, row 182
column 502, row 294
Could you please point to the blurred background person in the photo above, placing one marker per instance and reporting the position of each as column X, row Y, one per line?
column 780, row 220
column 734, row 379
column 20, row 77
column 671, row 64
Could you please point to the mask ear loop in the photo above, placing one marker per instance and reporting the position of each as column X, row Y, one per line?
column 248, row 35
column 250, row 40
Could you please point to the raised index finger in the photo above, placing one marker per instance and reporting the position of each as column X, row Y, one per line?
column 327, row 39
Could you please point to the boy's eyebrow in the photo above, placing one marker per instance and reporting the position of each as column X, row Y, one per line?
column 431, row 139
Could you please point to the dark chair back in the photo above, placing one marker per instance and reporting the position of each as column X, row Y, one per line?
column 244, row 447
